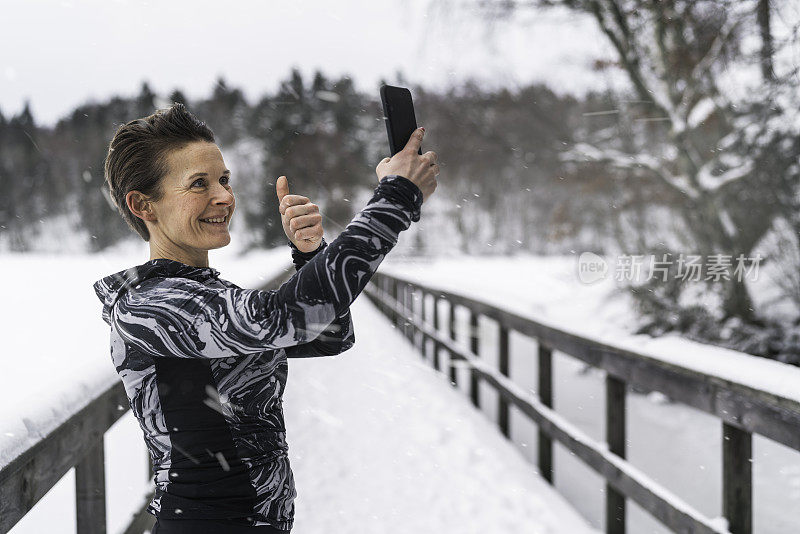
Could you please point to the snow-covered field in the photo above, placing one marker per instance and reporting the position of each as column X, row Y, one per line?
column 352, row 419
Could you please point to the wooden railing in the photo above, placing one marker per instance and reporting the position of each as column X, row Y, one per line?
column 742, row 410
column 78, row 443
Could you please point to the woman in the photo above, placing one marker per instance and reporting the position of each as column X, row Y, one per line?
column 203, row 361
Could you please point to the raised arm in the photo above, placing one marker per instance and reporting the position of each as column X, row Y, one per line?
column 183, row 318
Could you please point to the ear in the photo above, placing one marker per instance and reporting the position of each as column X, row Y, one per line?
column 138, row 205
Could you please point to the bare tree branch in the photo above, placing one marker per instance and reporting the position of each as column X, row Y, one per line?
column 583, row 152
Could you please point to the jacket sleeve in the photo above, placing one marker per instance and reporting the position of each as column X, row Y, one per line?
column 338, row 337
column 177, row 317
column 300, row 258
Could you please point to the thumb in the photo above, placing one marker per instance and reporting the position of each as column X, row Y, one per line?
column 282, row 187
column 415, row 141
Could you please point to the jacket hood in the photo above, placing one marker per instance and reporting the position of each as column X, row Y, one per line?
column 110, row 288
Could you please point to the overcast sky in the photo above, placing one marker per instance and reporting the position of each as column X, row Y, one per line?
column 60, row 54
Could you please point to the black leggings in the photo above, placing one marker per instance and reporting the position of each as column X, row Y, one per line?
column 209, row 526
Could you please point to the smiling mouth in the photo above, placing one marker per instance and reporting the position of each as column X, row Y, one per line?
column 224, row 222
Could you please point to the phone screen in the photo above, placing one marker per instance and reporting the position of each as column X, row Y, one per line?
column 398, row 113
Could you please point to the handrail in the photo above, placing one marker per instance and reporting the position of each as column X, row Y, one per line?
column 742, row 409
column 78, row 443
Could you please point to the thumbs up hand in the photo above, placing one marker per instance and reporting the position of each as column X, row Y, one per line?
column 302, row 221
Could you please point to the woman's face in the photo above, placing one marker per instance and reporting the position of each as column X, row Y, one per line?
column 196, row 187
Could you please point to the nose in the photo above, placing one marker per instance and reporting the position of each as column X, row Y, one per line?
column 223, row 196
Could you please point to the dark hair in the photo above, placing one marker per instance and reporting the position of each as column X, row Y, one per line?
column 137, row 156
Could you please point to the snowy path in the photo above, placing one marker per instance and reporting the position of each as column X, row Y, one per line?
column 381, row 443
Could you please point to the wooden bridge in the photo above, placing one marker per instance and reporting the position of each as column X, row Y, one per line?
column 426, row 315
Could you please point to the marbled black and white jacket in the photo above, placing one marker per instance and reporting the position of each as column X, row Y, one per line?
column 204, row 362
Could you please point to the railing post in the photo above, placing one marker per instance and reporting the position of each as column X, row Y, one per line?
column 90, row 491
column 452, row 328
column 409, row 313
column 615, row 437
column 436, row 327
column 502, row 407
column 387, row 295
column 474, row 346
column 391, row 292
column 380, row 284
column 402, row 301
column 546, row 398
column 415, row 321
column 737, row 478
column 424, row 347
column 398, row 298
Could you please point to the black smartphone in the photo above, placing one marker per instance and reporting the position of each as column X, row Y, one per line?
column 398, row 113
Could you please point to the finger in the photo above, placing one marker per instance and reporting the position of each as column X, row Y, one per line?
column 292, row 200
column 415, row 141
column 282, row 187
column 384, row 161
column 308, row 233
column 304, row 221
column 300, row 209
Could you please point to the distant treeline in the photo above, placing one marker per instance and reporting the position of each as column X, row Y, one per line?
column 501, row 188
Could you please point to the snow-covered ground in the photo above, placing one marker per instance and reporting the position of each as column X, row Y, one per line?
column 353, row 418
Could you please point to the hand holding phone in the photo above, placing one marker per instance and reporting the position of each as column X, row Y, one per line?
column 405, row 143
column 421, row 170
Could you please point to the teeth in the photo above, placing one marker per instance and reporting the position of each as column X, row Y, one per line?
column 214, row 220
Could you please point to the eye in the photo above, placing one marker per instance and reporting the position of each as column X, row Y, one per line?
column 226, row 178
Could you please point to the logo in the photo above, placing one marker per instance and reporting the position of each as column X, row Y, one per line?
column 591, row 268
